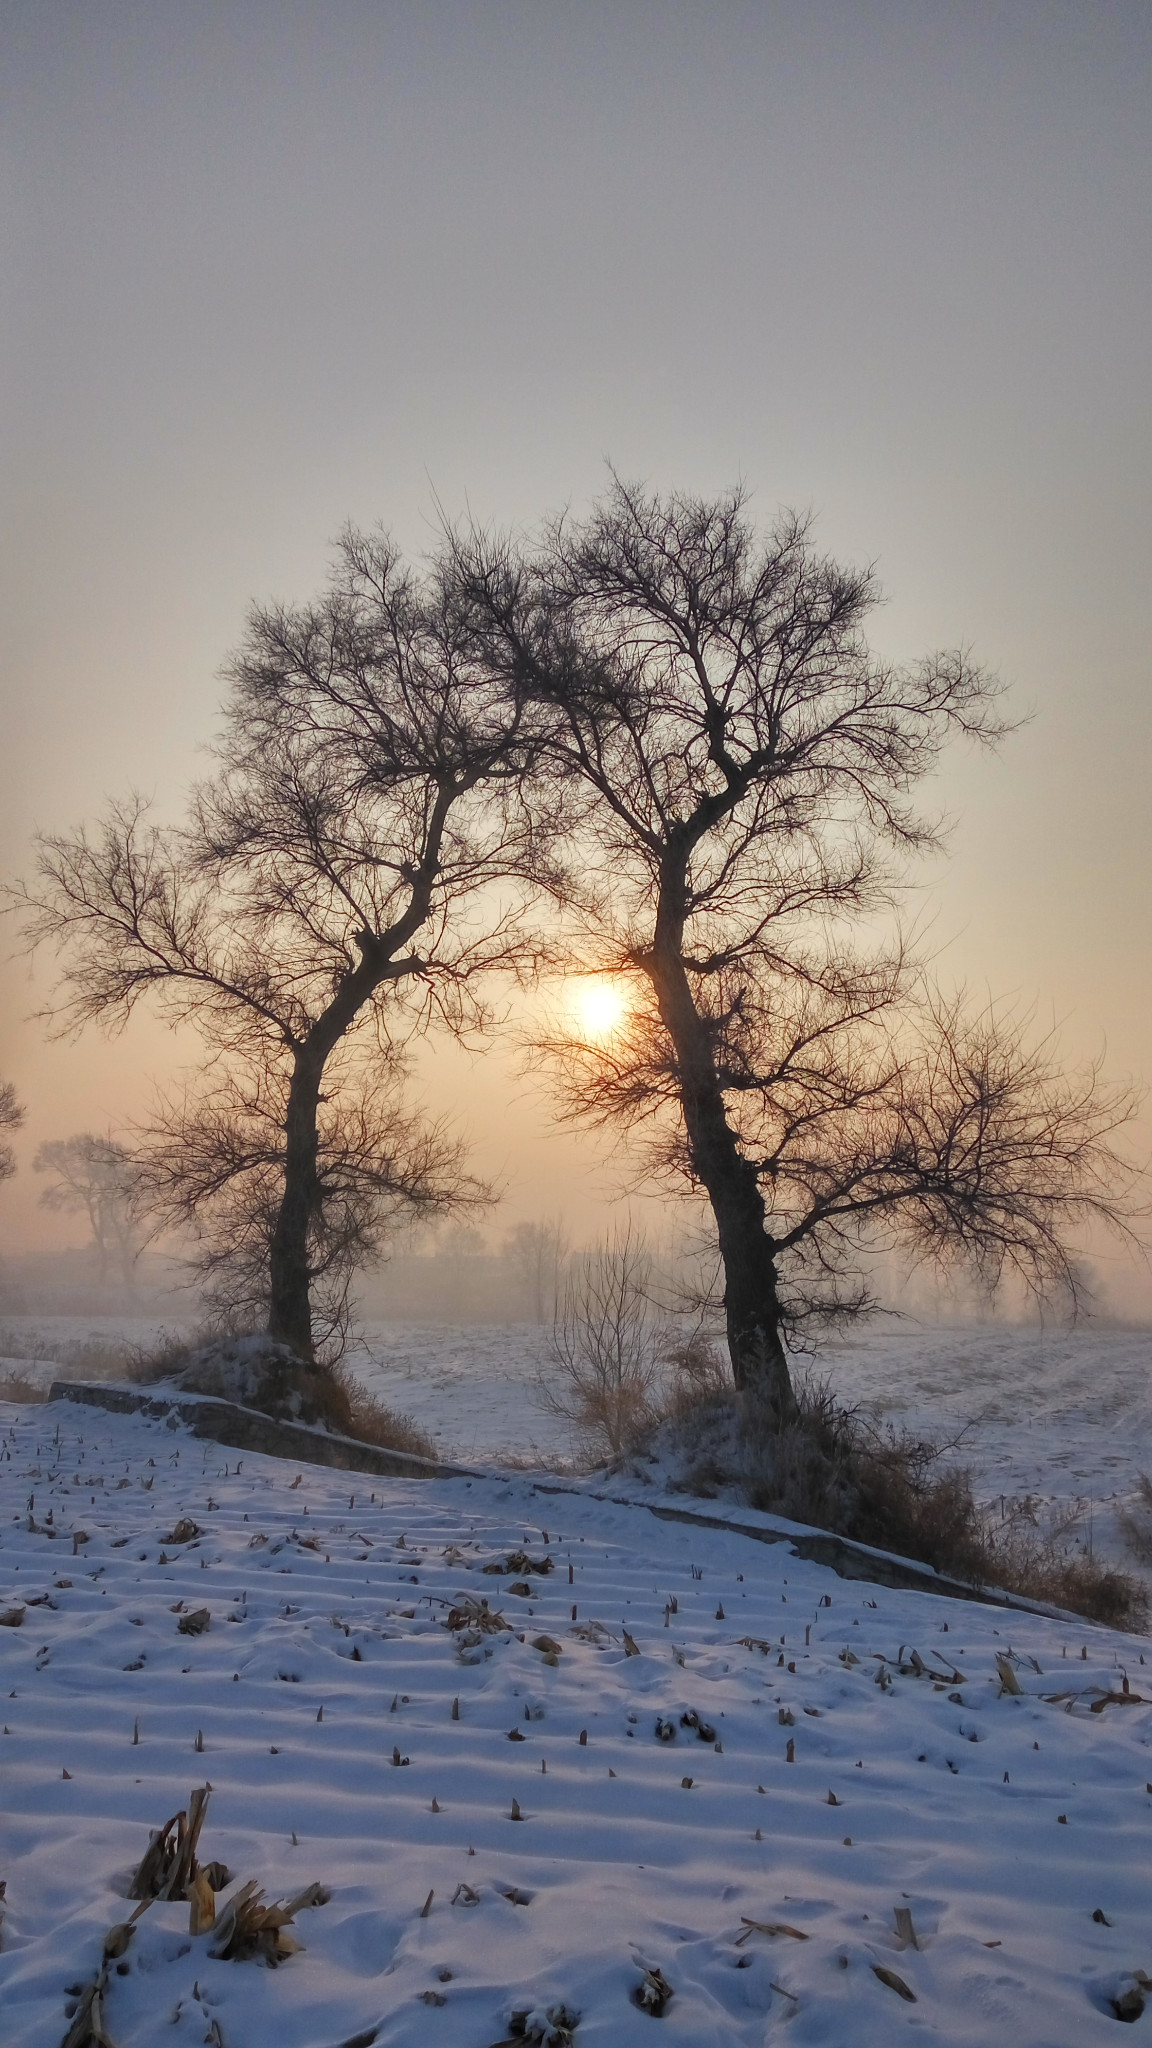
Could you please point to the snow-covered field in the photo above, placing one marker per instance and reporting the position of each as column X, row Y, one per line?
column 1014, row 1829
column 1062, row 1415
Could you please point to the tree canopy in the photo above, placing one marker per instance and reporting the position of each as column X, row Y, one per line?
column 358, row 867
column 750, row 768
column 674, row 728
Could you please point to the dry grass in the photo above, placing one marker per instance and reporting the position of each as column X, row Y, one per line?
column 16, row 1388
column 833, row 1470
column 528, row 1457
column 173, row 1354
column 329, row 1394
column 96, row 1358
column 1037, row 1568
column 698, row 1372
column 830, row 1468
column 370, row 1422
column 75, row 1358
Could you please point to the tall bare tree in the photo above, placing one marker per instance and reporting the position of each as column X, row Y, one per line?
column 356, row 869
column 11, row 1118
column 748, row 766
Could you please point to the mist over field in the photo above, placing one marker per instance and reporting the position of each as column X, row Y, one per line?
column 935, row 231
column 575, row 1019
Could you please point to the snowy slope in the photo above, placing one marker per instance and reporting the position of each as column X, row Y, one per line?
column 1002, row 1822
column 1065, row 1414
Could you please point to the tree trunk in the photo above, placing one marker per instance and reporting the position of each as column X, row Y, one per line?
column 751, row 1302
column 289, row 1307
column 289, row 1303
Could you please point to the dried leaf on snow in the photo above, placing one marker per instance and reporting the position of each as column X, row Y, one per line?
column 770, row 1927
column 894, row 1982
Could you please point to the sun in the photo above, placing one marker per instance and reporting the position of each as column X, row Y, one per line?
column 601, row 1008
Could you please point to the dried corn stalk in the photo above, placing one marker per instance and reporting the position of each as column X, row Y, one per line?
column 203, row 1901
column 87, row 2028
column 246, row 1928
column 1008, row 1679
column 770, row 1927
column 550, row 2027
column 168, row 1866
column 592, row 1632
column 905, row 1931
column 516, row 1564
column 476, row 1614
column 916, row 1666
column 652, row 1993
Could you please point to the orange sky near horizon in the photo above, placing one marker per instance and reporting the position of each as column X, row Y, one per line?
column 267, row 269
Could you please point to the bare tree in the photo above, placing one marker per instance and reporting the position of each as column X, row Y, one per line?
column 609, row 1343
column 357, row 869
column 749, row 767
column 212, row 1165
column 11, row 1118
column 95, row 1177
column 540, row 1252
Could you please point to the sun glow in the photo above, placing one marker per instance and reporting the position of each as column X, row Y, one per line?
column 601, row 1008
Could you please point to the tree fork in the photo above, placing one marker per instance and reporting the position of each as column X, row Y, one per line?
column 289, row 1273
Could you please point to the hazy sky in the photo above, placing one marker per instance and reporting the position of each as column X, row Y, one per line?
column 267, row 267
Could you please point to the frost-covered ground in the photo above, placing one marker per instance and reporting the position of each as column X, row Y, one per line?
column 1015, row 1829
column 1062, row 1414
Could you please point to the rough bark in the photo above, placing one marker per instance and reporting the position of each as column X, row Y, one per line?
column 731, row 1183
column 289, row 1272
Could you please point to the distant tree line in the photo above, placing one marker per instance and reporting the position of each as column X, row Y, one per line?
column 651, row 744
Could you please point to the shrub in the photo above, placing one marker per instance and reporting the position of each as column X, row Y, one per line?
column 889, row 1488
column 831, row 1469
column 699, row 1373
column 244, row 1365
column 608, row 1346
column 1036, row 1566
column 170, row 1355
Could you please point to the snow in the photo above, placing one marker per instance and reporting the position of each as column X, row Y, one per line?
column 1061, row 1415
column 1002, row 1821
